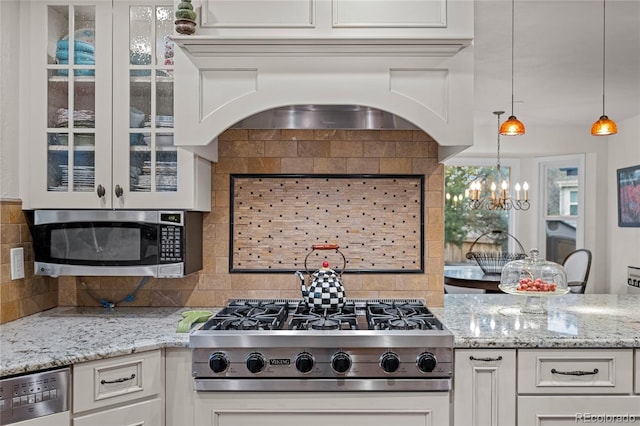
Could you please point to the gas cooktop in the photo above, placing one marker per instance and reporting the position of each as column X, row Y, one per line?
column 263, row 344
column 296, row 315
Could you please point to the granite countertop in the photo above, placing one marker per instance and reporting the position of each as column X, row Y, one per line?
column 65, row 336
column 571, row 321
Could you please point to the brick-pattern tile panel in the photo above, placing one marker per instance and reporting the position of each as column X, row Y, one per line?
column 375, row 220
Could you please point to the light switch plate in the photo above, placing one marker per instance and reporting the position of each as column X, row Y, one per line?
column 633, row 276
column 17, row 263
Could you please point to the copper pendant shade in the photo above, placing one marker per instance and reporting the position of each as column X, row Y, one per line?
column 513, row 126
column 604, row 126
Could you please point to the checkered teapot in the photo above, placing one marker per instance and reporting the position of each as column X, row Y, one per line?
column 325, row 289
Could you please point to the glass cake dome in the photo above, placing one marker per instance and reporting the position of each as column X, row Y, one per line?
column 535, row 278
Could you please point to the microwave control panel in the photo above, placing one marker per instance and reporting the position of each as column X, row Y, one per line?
column 171, row 244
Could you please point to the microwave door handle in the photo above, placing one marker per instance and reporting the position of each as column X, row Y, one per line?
column 96, row 246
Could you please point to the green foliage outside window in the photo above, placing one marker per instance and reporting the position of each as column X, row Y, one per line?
column 461, row 222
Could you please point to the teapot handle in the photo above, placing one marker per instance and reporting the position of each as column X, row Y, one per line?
column 326, row 247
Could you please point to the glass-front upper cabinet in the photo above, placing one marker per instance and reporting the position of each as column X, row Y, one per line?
column 144, row 129
column 71, row 128
column 100, row 114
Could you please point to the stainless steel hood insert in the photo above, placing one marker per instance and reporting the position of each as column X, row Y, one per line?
column 353, row 117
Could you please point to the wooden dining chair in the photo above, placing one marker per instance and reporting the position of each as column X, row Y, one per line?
column 577, row 265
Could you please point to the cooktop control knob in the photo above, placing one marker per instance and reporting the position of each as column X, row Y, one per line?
column 304, row 362
column 340, row 362
column 426, row 362
column 389, row 362
column 255, row 362
column 218, row 362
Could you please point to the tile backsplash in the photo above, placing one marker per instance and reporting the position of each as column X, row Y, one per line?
column 31, row 294
column 241, row 151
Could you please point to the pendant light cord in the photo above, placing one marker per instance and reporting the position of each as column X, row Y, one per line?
column 498, row 155
column 604, row 35
column 512, row 49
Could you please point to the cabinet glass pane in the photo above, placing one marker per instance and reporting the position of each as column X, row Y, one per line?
column 57, row 162
column 83, row 162
column 164, row 98
column 140, row 98
column 84, row 40
column 57, row 99
column 141, row 20
column 140, row 164
column 84, row 102
column 164, row 29
column 166, row 164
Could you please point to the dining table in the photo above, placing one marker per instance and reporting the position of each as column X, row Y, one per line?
column 471, row 276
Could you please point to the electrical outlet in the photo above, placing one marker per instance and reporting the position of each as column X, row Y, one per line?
column 17, row 263
column 633, row 276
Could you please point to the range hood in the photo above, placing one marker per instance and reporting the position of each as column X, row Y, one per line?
column 351, row 117
column 326, row 64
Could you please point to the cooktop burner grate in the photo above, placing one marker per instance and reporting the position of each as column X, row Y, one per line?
column 250, row 315
column 401, row 316
column 306, row 318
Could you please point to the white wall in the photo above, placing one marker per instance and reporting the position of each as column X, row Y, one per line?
column 9, row 98
column 623, row 243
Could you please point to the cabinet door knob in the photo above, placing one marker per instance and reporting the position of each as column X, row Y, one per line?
column 118, row 190
column 100, row 191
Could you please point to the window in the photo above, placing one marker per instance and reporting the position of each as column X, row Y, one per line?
column 462, row 224
column 562, row 206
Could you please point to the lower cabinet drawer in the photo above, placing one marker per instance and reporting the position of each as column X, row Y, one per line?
column 140, row 413
column 578, row 409
column 105, row 382
column 575, row 371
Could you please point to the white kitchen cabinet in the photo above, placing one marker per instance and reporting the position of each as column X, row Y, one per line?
column 180, row 396
column 484, row 387
column 147, row 413
column 568, row 386
column 577, row 409
column 321, row 408
column 435, row 19
column 125, row 390
column 100, row 109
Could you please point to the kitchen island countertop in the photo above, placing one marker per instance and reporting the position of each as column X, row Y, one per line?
column 65, row 336
column 571, row 321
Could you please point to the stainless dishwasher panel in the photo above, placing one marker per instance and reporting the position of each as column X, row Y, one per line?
column 34, row 395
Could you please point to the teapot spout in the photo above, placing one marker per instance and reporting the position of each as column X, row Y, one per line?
column 303, row 287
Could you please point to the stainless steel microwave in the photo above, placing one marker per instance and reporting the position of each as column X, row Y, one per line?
column 158, row 243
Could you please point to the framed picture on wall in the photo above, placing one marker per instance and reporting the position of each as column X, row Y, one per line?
column 629, row 196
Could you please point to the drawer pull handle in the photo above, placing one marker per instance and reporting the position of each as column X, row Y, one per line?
column 473, row 358
column 120, row 380
column 575, row 373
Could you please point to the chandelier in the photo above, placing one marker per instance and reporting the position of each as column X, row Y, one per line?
column 500, row 198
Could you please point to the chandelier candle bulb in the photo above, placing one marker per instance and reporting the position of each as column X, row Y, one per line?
column 525, row 186
column 518, row 191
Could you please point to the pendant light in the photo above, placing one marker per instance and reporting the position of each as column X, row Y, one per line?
column 500, row 199
column 513, row 126
column 603, row 126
